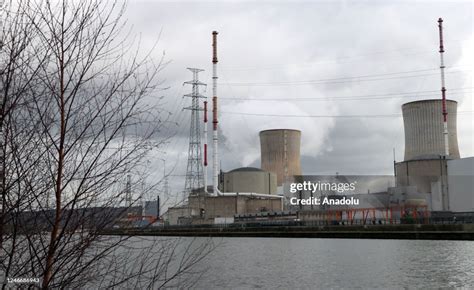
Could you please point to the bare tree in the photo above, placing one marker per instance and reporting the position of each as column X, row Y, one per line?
column 79, row 113
column 17, row 74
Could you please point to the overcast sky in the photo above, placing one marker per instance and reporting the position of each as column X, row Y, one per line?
column 325, row 50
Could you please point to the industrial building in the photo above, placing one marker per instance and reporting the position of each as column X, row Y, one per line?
column 209, row 209
column 245, row 190
column 431, row 179
column 428, row 182
column 447, row 178
column 425, row 160
column 249, row 179
column 455, row 192
column 240, row 191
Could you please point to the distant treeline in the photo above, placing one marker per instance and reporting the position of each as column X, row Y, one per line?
column 94, row 218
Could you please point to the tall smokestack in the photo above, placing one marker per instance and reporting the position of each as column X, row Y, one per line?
column 443, row 88
column 205, row 146
column 215, row 166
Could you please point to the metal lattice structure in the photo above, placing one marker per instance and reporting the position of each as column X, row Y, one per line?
column 194, row 171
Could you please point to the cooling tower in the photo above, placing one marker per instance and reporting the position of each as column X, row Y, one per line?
column 280, row 153
column 423, row 121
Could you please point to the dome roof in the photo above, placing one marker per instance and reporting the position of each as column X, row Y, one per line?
column 246, row 169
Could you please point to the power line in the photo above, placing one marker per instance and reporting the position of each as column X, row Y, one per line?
column 362, row 78
column 360, row 97
column 328, row 116
column 343, row 59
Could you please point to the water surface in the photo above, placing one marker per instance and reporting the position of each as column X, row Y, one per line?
column 287, row 263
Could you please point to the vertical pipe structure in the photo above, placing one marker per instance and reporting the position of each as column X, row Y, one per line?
column 395, row 167
column 443, row 88
column 128, row 192
column 215, row 165
column 205, row 146
column 157, row 207
column 444, row 193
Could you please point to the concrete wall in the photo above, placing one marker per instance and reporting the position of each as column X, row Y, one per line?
column 250, row 181
column 259, row 205
column 461, row 184
column 228, row 206
column 423, row 123
column 450, row 182
column 175, row 213
column 223, row 206
column 420, row 173
column 280, row 153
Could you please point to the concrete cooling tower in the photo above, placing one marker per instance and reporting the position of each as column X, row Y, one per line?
column 280, row 153
column 423, row 121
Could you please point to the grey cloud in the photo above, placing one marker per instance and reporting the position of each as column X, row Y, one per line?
column 282, row 41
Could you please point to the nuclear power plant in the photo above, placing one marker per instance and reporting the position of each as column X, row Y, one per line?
column 426, row 166
column 432, row 180
column 428, row 183
column 425, row 160
column 241, row 191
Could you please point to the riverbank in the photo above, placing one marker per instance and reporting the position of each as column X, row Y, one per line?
column 411, row 232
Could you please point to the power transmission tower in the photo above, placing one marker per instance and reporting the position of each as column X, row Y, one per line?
column 194, row 172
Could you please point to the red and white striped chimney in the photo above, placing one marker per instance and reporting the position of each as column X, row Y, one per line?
column 205, row 146
column 215, row 165
column 443, row 88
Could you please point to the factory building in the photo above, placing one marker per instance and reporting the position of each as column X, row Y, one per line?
column 455, row 192
column 432, row 177
column 241, row 191
column 209, row 209
column 389, row 206
column 249, row 179
column 280, row 153
column 244, row 191
column 178, row 215
column 428, row 182
column 446, row 178
column 425, row 160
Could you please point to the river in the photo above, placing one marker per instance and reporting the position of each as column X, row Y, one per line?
column 287, row 263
